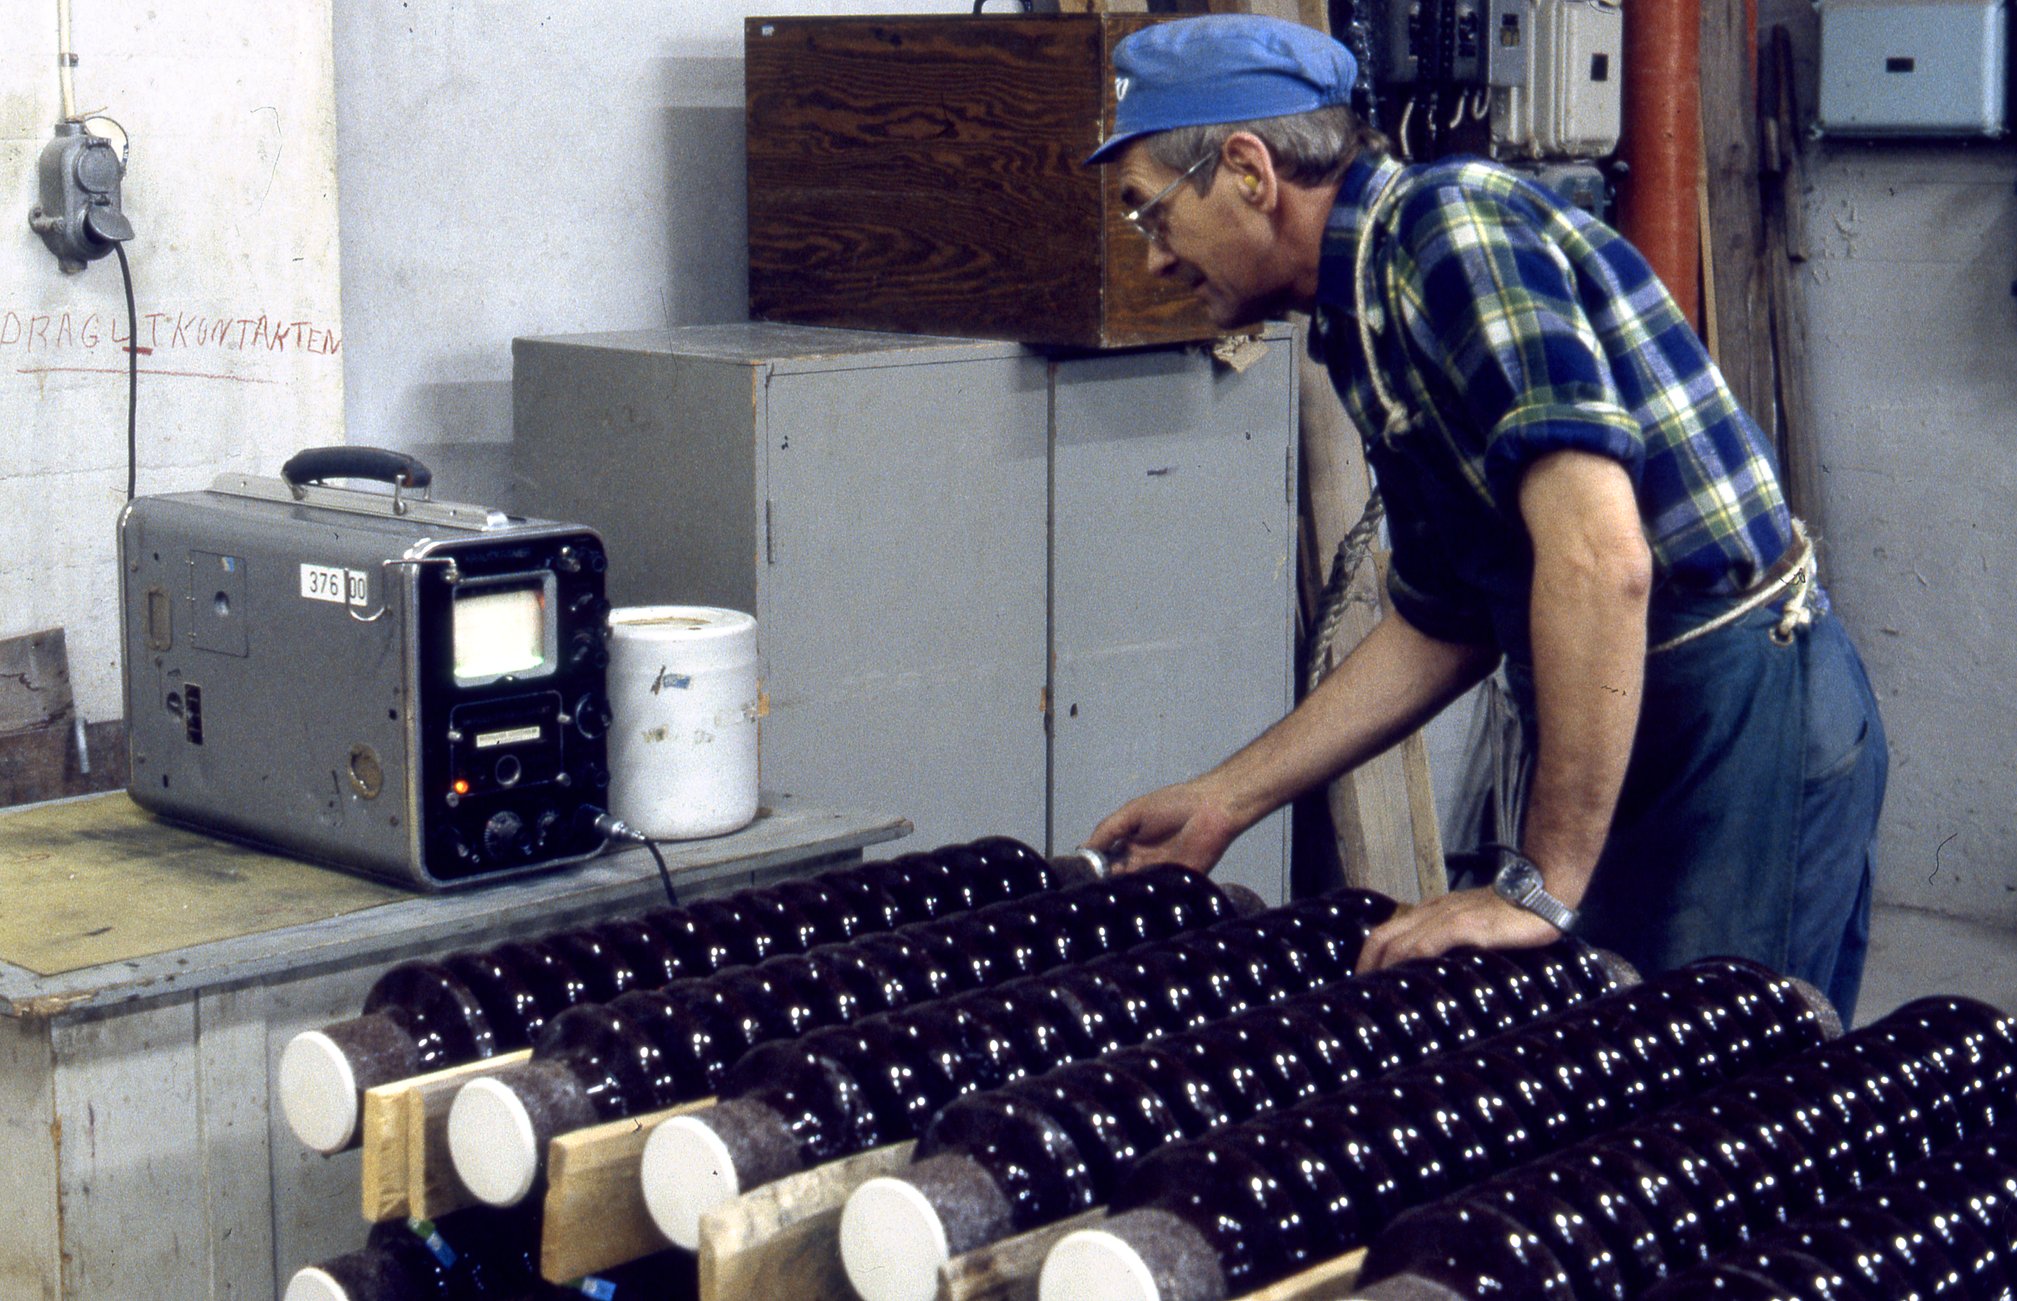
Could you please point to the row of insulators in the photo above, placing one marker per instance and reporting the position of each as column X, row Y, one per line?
column 1774, row 1160
column 1240, row 1069
column 1269, row 1197
column 468, row 1006
column 480, row 1254
column 1052, row 1145
column 1944, row 1227
column 652, row 1049
column 844, row 1090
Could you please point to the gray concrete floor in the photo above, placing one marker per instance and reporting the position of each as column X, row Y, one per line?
column 1915, row 953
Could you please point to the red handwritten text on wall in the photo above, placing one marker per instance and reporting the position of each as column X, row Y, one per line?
column 46, row 333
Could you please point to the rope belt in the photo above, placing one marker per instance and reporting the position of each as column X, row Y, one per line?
column 1793, row 575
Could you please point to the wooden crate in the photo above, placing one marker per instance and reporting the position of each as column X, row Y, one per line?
column 923, row 175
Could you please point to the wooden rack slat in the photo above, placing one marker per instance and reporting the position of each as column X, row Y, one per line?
column 1007, row 1270
column 782, row 1241
column 386, row 1133
column 595, row 1217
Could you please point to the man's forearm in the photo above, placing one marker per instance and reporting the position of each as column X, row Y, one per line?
column 1392, row 682
column 1589, row 667
column 1588, row 630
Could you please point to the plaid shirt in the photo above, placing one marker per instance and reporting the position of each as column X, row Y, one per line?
column 1509, row 325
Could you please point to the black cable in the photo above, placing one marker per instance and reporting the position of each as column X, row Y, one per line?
column 612, row 828
column 132, row 372
column 664, row 873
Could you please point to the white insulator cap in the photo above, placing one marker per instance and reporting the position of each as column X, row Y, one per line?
column 312, row 1284
column 318, row 1092
column 892, row 1242
column 490, row 1139
column 1088, row 1263
column 687, row 1171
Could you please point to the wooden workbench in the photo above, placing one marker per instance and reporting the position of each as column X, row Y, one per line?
column 149, row 978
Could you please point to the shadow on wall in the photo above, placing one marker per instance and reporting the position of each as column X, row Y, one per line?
column 472, row 462
column 707, row 210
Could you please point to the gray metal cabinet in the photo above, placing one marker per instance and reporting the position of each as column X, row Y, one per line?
column 997, row 591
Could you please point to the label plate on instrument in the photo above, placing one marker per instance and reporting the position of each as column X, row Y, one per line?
column 335, row 584
column 510, row 736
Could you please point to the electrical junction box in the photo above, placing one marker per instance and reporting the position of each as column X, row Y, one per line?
column 1913, row 67
column 1436, row 41
column 1508, row 26
column 1458, row 42
column 1572, row 102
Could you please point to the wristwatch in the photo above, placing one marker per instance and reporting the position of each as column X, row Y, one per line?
column 1519, row 883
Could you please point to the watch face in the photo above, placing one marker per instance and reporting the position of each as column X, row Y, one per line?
column 1518, row 879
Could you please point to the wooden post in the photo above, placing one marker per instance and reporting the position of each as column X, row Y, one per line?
column 1383, row 813
column 1734, row 235
column 1785, row 197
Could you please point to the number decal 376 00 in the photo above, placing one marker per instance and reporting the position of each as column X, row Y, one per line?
column 335, row 584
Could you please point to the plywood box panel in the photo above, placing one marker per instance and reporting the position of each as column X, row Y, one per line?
column 924, row 175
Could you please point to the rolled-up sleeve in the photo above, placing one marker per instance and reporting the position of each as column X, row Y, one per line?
column 1491, row 309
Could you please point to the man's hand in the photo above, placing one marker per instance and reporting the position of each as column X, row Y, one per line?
column 1477, row 918
column 1186, row 823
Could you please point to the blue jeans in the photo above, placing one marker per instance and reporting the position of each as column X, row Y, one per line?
column 1847, row 764
column 1747, row 820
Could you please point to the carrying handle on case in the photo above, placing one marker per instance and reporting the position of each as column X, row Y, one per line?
column 316, row 464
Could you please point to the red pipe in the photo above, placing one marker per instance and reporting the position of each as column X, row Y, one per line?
column 1751, row 39
column 1659, row 205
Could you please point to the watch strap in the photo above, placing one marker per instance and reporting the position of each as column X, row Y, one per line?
column 1534, row 897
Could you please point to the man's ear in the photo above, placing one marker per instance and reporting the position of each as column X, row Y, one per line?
column 1253, row 168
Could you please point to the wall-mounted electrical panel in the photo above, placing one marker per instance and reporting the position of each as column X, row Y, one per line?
column 1914, row 67
column 1528, row 79
column 1571, row 101
column 1466, row 42
column 1509, row 28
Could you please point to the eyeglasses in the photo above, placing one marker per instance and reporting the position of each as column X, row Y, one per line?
column 1143, row 218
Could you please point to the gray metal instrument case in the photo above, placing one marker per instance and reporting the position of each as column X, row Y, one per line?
column 405, row 688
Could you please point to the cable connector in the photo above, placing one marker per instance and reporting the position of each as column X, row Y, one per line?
column 611, row 827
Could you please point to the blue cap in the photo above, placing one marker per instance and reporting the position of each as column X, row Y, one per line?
column 1222, row 68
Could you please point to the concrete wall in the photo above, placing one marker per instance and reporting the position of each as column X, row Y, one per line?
column 511, row 169
column 1915, row 368
column 231, row 191
column 1913, row 332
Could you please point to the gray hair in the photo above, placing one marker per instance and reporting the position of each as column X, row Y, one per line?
column 1312, row 148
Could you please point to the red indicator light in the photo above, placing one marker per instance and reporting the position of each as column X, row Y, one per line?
column 461, row 786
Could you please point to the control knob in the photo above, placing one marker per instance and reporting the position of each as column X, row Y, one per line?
column 504, row 834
